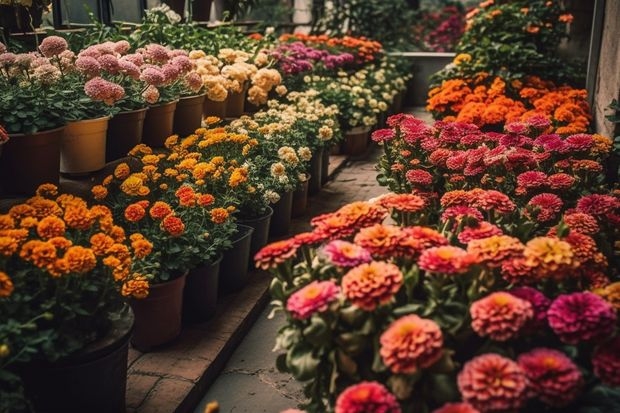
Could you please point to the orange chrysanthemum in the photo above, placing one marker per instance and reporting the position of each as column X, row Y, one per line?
column 219, row 215
column 173, row 225
column 371, row 285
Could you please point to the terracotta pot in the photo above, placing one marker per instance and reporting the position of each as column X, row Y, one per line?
column 188, row 114
column 29, row 160
column 300, row 200
column 158, row 124
column 260, row 236
column 82, row 147
column 316, row 171
column 281, row 219
column 124, row 132
column 214, row 108
column 200, row 293
column 234, row 267
column 235, row 103
column 356, row 141
column 92, row 380
column 158, row 316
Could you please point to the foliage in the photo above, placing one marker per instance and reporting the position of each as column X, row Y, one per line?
column 438, row 28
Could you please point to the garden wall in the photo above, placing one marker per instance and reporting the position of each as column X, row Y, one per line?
column 608, row 76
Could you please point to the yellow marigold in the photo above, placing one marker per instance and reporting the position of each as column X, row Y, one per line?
column 611, row 293
column 186, row 164
column 100, row 243
column 137, row 287
column 218, row 160
column 121, row 171
column 219, row 215
column 8, row 246
column 140, row 149
column 602, row 145
column 182, row 177
column 173, row 157
column 117, row 233
column 151, row 172
column 78, row 217
column 28, row 222
column 237, row 177
column 462, row 58
column 203, row 169
column 132, row 185
column 99, row 192
column 47, row 190
column 6, row 222
column 150, row 159
column 549, row 256
column 81, row 260
column 141, row 247
column 21, row 211
column 189, row 141
column 40, row 253
column 50, row 227
column 171, row 141
column 6, row 285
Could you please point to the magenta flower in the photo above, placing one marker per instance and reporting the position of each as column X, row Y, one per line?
column 383, row 135
column 606, row 362
column 345, row 254
column 540, row 304
column 314, row 297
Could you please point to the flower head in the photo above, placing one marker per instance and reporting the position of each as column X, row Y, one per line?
column 382, row 241
column 495, row 250
column 492, row 383
column 275, row 253
column 411, row 343
column 53, row 46
column 482, row 229
column 549, row 257
column 446, row 259
column 402, row 202
column 6, row 285
column 314, row 297
column 552, row 376
column 456, row 408
column 606, row 362
column 540, row 304
column 371, row 285
column 419, row 177
column 581, row 317
column 500, row 315
column 173, row 225
column 545, row 207
column 367, row 396
column 346, row 254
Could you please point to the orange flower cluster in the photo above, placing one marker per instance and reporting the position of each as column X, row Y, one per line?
column 348, row 219
column 364, row 50
column 371, row 285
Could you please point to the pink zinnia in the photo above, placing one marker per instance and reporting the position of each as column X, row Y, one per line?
column 540, row 304
column 275, row 253
column 446, row 260
column 417, row 239
column 419, row 177
column 53, row 46
column 460, row 212
column 606, row 362
column 439, row 157
column 456, row 408
column 545, row 206
column 500, row 315
column 346, row 254
column 395, row 120
column 383, row 135
column 492, row 383
column 597, row 204
column 580, row 142
column 519, row 128
column 367, row 396
column 411, row 343
column 491, row 199
column 581, row 317
column 552, row 376
column 314, row 297
column 482, row 229
column 581, row 222
column 531, row 180
column 538, row 121
column 561, row 181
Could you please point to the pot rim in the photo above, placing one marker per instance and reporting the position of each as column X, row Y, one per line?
column 94, row 120
column 163, row 104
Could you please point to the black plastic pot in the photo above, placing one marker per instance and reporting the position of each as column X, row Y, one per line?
column 234, row 266
column 201, row 291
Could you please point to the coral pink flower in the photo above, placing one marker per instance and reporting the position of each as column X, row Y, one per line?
column 579, row 142
column 367, row 396
column 545, row 207
column 531, row 180
column 53, row 46
column 493, row 200
column 439, row 157
column 417, row 239
column 402, row 202
column 88, row 65
column 492, row 383
column 150, row 94
column 459, row 212
column 109, row 63
column 383, row 135
column 411, row 343
column 540, row 304
column 314, row 297
column 275, row 253
column 446, row 260
column 552, row 376
column 309, row 238
column 561, row 181
column 500, row 315
column 382, row 241
column 495, row 250
column 419, row 177
column 371, row 285
column 581, row 317
column 483, row 229
column 456, row 408
column 346, row 254
column 127, row 68
column 157, row 53
column 581, row 222
column 520, row 128
column 597, row 204
column 606, row 362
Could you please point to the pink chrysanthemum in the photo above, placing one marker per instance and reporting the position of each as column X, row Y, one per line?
column 183, row 63
column 597, row 204
column 492, row 383
column 157, row 53
column 411, row 343
column 129, row 69
column 135, row 58
column 109, row 63
column 275, row 253
column 367, row 396
column 500, row 315
column 456, row 408
column 171, row 72
column 371, row 285
column 122, row 47
column 383, row 135
column 395, row 120
column 483, row 229
column 606, row 362
column 581, row 317
column 53, row 46
column 314, row 297
column 552, row 377
column 545, row 207
column 153, row 76
column 419, row 177
column 88, row 65
column 561, row 181
column 2, row 48
column 540, row 304
column 193, row 81
column 446, row 260
column 99, row 89
column 346, row 254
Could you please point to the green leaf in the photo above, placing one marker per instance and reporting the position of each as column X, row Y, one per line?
column 317, row 333
column 302, row 363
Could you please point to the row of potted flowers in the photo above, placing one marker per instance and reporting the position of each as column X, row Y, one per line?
column 493, row 286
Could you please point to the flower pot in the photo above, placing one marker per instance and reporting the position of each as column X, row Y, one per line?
column 316, row 171
column 158, row 316
column 325, row 165
column 234, row 266
column 30, row 160
column 356, row 141
column 93, row 380
column 188, row 114
column 82, row 147
column 235, row 103
column 200, row 293
column 214, row 108
column 260, row 236
column 281, row 219
column 397, row 103
column 300, row 200
column 124, row 132
column 158, row 124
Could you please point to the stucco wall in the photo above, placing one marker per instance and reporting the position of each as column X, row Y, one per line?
column 608, row 76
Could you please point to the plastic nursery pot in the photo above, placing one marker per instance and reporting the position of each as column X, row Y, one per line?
column 300, row 200
column 234, row 266
column 188, row 114
column 260, row 236
column 316, row 171
column 281, row 219
column 201, row 291
column 158, row 124
column 124, row 132
column 82, row 147
column 325, row 165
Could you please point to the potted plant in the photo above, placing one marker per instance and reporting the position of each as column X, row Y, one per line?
column 189, row 110
column 66, row 272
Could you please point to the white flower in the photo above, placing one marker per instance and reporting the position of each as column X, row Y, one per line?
column 271, row 196
column 305, row 153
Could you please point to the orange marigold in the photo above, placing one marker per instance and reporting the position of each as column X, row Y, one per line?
column 50, row 227
column 78, row 217
column 371, row 285
column 100, row 243
column 219, row 215
column 160, row 210
column 173, row 225
column 8, row 245
column 6, row 222
column 137, row 287
column 99, row 192
column 40, row 253
column 134, row 212
column 81, row 260
column 122, row 171
column 6, row 285
column 205, row 199
column 47, row 190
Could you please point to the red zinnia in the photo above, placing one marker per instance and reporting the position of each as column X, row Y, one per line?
column 419, row 177
column 545, row 206
column 275, row 253
column 500, row 315
column 483, row 229
column 367, row 396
